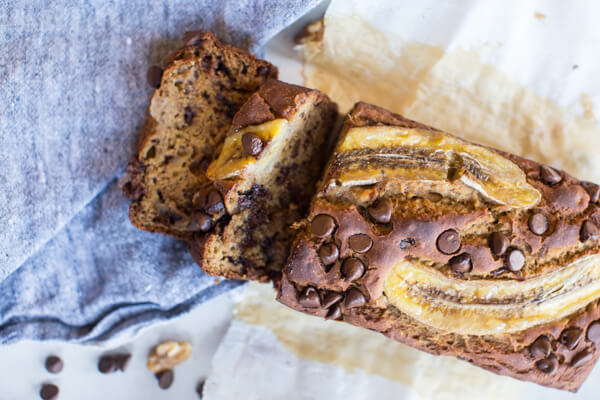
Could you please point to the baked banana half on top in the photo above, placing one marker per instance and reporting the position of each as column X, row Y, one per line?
column 453, row 248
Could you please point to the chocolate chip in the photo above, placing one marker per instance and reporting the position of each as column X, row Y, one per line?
column 549, row 175
column 263, row 70
column 200, row 388
column 122, row 361
column 252, row 143
column 331, row 298
column 352, row 269
column 547, row 365
column 381, row 211
column 329, row 253
column 581, row 357
column 593, row 332
column 54, row 364
column 540, row 348
column 498, row 243
column 49, row 391
column 461, row 263
column 593, row 190
column 322, row 225
column 570, row 337
column 354, row 298
column 515, row 260
column 360, row 243
column 309, row 298
column 107, row 364
column 188, row 115
column 407, row 242
column 335, row 312
column 154, row 76
column 448, row 242
column 214, row 202
column 200, row 221
column 538, row 223
column 589, row 230
column 165, row 378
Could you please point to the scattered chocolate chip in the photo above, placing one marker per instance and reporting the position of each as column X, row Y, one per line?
column 515, row 260
column 570, row 337
column 354, row 298
column 461, row 263
column 252, row 143
column 122, row 361
column 200, row 388
column 309, row 298
column 547, row 365
column 352, row 269
column 49, row 391
column 322, row 225
column 335, row 312
column 188, row 115
column 581, row 357
column 448, row 242
column 407, row 242
column 54, row 364
column 165, row 378
column 331, row 298
column 381, row 211
column 329, row 253
column 549, row 175
column 154, row 76
column 200, row 221
column 538, row 223
column 214, row 202
column 593, row 332
column 540, row 348
column 107, row 364
column 360, row 243
column 498, row 243
column 593, row 190
column 589, row 230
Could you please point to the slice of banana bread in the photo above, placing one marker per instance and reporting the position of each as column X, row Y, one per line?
column 202, row 87
column 263, row 180
column 453, row 248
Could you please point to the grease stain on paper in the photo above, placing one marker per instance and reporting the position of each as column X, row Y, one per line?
column 539, row 16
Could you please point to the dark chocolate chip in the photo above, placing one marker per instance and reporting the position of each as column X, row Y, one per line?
column 335, row 312
column 188, row 115
column 515, row 260
column 354, row 298
column 263, row 71
column 549, row 175
column 360, row 243
column 381, row 211
column 54, row 364
column 540, row 348
column 322, row 225
column 252, row 143
column 200, row 388
column 589, row 230
column 593, row 332
column 593, row 190
column 461, row 263
column 200, row 221
column 165, row 378
column 538, row 223
column 331, row 298
column 352, row 269
column 49, row 391
column 122, row 361
column 581, row 357
column 407, row 242
column 448, row 242
column 329, row 253
column 570, row 337
column 498, row 243
column 107, row 364
column 547, row 365
column 309, row 298
column 214, row 202
column 154, row 76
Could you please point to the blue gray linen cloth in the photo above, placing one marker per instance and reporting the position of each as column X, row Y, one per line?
column 73, row 97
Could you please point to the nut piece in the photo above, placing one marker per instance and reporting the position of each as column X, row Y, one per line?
column 168, row 354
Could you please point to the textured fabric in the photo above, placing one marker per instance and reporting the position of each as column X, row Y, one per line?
column 73, row 96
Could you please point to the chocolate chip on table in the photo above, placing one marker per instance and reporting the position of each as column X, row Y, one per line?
column 352, row 269
column 498, row 243
column 593, row 332
column 309, row 298
column 593, row 190
column 547, row 365
column 49, row 391
column 540, row 348
column 331, row 298
column 335, row 312
column 214, row 202
column 54, row 364
column 165, row 378
column 354, row 298
column 154, row 76
column 188, row 115
column 322, row 225
column 329, row 253
column 107, row 364
column 448, row 242
column 461, row 263
column 549, row 176
column 200, row 388
column 200, row 221
column 589, row 230
column 252, row 143
column 360, row 243
column 381, row 211
column 581, row 357
column 515, row 259
column 570, row 337
column 538, row 223
column 122, row 361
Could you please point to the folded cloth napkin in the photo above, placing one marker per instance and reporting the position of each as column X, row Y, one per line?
column 73, row 97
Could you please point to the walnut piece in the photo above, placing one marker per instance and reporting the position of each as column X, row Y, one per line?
column 168, row 354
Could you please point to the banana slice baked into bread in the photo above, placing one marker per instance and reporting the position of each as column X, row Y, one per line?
column 453, row 248
column 202, row 87
column 263, row 180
